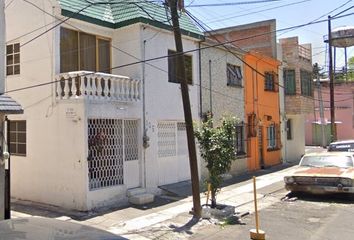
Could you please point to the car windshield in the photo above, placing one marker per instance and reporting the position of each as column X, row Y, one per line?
column 327, row 161
column 341, row 147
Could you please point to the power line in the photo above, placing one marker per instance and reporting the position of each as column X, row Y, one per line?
column 231, row 3
column 161, row 57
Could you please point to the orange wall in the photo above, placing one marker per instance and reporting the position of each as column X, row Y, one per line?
column 262, row 103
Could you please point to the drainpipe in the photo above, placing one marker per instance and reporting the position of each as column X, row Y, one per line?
column 145, row 137
column 210, row 89
column 200, row 81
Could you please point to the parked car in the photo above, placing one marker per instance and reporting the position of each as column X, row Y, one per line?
column 325, row 172
column 341, row 146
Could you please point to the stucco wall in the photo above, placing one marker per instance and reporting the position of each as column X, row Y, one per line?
column 217, row 96
column 295, row 147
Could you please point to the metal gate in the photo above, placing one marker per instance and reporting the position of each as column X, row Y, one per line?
column 110, row 143
column 172, row 152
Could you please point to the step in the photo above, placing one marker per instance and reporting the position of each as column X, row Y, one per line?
column 135, row 191
column 141, row 199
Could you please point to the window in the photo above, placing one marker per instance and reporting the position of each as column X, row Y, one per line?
column 306, row 83
column 13, row 59
column 172, row 67
column 289, row 134
column 82, row 51
column 269, row 82
column 234, row 76
column 239, row 140
column 273, row 137
column 18, row 138
column 289, row 81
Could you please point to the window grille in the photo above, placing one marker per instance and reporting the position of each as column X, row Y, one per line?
column 110, row 143
column 289, row 81
column 239, row 140
column 234, row 76
column 273, row 137
column 306, row 83
column 166, row 139
column 269, row 82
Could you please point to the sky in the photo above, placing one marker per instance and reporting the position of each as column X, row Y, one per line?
column 287, row 13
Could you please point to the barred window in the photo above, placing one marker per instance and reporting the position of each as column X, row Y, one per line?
column 273, row 137
column 18, row 138
column 13, row 59
column 269, row 81
column 234, row 76
column 239, row 140
column 306, row 83
column 289, row 81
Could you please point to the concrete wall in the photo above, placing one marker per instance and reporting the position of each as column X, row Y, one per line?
column 217, row 96
column 2, row 76
column 55, row 168
column 258, row 36
column 295, row 147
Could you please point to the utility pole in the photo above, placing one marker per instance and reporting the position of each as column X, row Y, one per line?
column 331, row 82
column 181, row 75
column 320, row 105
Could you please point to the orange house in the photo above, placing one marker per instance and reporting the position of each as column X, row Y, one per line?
column 262, row 110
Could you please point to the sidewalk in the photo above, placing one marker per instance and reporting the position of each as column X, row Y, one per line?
column 166, row 218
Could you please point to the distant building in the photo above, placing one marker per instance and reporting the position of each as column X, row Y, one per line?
column 344, row 113
column 298, row 87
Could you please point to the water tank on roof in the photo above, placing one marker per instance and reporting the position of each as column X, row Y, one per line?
column 342, row 37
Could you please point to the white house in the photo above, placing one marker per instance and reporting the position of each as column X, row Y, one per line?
column 98, row 121
column 7, row 106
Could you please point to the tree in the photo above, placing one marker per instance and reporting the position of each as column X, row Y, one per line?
column 351, row 69
column 217, row 149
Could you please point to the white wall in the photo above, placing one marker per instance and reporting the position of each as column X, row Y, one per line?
column 55, row 170
column 2, row 75
column 295, row 147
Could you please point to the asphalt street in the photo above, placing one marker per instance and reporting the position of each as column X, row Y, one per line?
column 303, row 217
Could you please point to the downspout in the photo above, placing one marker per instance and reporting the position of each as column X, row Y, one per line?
column 145, row 137
column 200, row 81
column 210, row 89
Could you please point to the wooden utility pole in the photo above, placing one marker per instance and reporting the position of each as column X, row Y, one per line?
column 181, row 75
column 331, row 82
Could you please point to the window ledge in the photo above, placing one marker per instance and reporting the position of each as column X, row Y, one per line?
column 234, row 85
column 273, row 149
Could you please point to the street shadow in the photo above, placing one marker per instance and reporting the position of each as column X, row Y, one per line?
column 341, row 198
column 186, row 228
column 49, row 211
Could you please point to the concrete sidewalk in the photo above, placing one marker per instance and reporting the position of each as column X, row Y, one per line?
column 166, row 218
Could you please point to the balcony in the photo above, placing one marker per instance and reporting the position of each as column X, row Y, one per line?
column 305, row 53
column 97, row 86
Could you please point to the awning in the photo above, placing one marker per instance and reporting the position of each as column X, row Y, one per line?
column 9, row 106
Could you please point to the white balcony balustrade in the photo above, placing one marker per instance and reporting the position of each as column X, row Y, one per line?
column 90, row 85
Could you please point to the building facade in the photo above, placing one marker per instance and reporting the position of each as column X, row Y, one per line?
column 262, row 111
column 98, row 121
column 318, row 130
column 298, row 86
column 222, row 85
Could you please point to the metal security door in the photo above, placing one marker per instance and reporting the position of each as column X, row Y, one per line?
column 113, row 157
column 167, row 153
